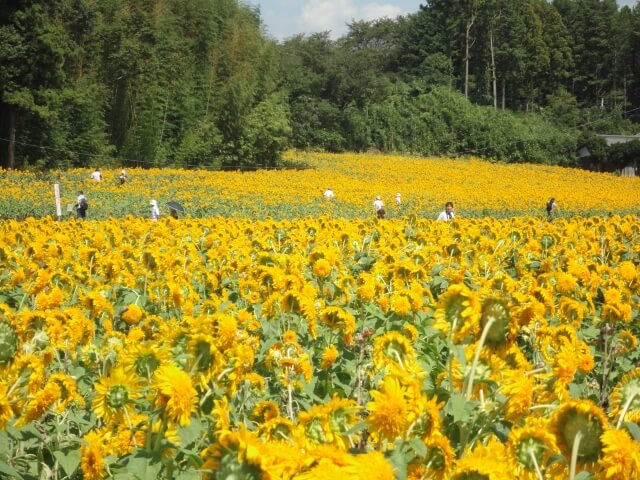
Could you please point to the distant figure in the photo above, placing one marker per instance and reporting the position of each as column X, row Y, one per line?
column 155, row 211
column 380, row 213
column 328, row 194
column 122, row 177
column 96, row 175
column 378, row 204
column 398, row 200
column 447, row 214
column 81, row 205
column 551, row 206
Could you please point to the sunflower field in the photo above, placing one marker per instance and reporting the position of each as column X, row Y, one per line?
column 272, row 335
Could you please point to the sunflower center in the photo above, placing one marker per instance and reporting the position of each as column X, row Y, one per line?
column 117, row 396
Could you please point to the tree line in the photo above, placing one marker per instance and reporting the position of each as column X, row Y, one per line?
column 198, row 83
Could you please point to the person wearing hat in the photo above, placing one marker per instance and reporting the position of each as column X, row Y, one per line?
column 378, row 204
column 398, row 200
column 155, row 211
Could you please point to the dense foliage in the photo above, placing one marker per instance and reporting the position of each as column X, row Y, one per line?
column 197, row 83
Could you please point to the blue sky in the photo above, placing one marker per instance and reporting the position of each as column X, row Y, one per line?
column 284, row 18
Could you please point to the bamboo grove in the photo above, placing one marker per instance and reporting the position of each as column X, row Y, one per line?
column 200, row 83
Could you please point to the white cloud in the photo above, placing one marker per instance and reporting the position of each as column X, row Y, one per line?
column 333, row 15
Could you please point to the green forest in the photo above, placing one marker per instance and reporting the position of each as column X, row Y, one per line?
column 199, row 83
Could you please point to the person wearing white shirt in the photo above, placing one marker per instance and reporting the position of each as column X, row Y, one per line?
column 398, row 200
column 448, row 212
column 328, row 194
column 155, row 211
column 378, row 204
column 96, row 175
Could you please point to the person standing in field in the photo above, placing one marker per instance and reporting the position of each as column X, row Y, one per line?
column 448, row 213
column 81, row 205
column 96, row 175
column 328, row 194
column 551, row 207
column 378, row 205
column 122, row 177
column 398, row 200
column 155, row 211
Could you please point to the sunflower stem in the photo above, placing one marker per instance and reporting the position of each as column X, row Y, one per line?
column 574, row 454
column 535, row 465
column 626, row 407
column 476, row 358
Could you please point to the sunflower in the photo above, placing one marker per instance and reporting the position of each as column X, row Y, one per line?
column 621, row 456
column 440, row 457
column 531, row 445
column 92, row 461
column 496, row 312
column 488, row 462
column 144, row 357
column 132, row 314
column 392, row 348
column 264, row 411
column 321, row 267
column 579, row 419
column 458, row 310
column 176, row 394
column 626, row 397
column 372, row 466
column 518, row 388
column 115, row 396
column 337, row 318
column 389, row 413
column 400, row 304
column 6, row 412
column 627, row 341
column 329, row 356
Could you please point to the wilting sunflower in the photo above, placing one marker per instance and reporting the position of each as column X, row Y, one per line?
column 621, row 456
column 389, row 413
column 579, row 419
column 176, row 394
column 115, row 396
column 626, row 397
